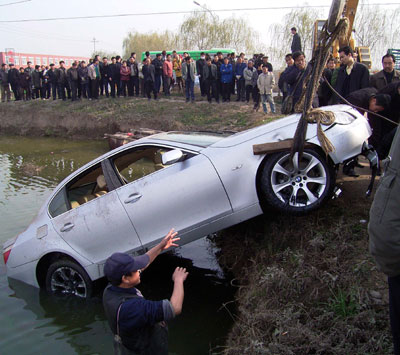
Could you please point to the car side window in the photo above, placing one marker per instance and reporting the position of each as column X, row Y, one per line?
column 85, row 187
column 135, row 164
column 58, row 205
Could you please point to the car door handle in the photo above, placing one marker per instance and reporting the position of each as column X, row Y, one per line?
column 67, row 227
column 133, row 198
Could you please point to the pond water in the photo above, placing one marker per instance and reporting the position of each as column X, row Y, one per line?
column 34, row 322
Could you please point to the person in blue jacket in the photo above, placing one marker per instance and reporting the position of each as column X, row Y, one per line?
column 240, row 86
column 226, row 80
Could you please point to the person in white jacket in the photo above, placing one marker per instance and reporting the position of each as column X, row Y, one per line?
column 265, row 83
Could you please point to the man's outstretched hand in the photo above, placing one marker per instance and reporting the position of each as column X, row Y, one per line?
column 180, row 274
column 169, row 240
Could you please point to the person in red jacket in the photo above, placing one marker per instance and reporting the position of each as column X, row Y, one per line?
column 125, row 72
column 167, row 75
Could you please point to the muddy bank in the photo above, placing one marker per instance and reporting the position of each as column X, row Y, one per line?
column 91, row 119
column 308, row 285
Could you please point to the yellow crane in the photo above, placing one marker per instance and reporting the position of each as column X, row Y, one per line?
column 363, row 52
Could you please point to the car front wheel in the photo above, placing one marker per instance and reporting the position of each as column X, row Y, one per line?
column 294, row 185
column 68, row 278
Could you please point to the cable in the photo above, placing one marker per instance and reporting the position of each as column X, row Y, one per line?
column 175, row 13
column 15, row 3
column 40, row 35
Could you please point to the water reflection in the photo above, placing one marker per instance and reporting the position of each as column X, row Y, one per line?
column 45, row 323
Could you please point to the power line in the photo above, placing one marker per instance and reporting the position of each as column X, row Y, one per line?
column 15, row 3
column 176, row 13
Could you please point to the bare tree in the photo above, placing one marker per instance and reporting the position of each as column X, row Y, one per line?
column 378, row 29
column 141, row 42
column 301, row 18
column 201, row 30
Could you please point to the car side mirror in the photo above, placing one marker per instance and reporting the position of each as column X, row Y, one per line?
column 172, row 156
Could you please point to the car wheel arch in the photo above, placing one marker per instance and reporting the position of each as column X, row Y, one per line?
column 46, row 261
column 263, row 203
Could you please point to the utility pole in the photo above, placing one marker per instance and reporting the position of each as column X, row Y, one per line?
column 94, row 44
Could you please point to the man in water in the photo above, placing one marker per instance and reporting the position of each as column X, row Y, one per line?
column 138, row 324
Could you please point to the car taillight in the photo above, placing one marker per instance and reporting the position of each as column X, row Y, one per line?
column 6, row 254
column 7, row 247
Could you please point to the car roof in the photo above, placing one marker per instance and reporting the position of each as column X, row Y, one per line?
column 199, row 139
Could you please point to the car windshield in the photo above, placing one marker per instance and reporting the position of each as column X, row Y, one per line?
column 201, row 139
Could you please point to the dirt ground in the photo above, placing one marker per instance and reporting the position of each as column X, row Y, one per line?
column 308, row 285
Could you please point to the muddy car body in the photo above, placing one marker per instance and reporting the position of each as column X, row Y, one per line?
column 198, row 183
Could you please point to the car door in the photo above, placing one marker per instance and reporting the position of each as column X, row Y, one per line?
column 186, row 196
column 94, row 223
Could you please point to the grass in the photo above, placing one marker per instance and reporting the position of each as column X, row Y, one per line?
column 304, row 284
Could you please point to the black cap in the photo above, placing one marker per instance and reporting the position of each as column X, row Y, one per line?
column 11, row 64
column 120, row 264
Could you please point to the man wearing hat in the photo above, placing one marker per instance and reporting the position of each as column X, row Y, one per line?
column 138, row 324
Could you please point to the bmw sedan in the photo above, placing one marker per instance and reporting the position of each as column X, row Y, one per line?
column 198, row 183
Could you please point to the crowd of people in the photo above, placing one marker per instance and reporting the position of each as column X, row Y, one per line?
column 352, row 83
column 218, row 78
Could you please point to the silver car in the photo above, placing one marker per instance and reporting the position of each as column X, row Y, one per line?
column 198, row 183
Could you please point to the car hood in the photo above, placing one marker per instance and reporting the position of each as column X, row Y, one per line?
column 285, row 127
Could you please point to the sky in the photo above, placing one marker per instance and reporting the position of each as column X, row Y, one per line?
column 75, row 37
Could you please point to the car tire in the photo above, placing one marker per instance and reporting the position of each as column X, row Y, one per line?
column 65, row 277
column 296, row 188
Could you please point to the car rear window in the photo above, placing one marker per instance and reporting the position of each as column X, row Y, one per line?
column 200, row 139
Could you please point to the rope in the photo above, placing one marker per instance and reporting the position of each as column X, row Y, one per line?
column 321, row 117
column 304, row 105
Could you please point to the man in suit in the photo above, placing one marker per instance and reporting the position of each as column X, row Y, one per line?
column 149, row 75
column 387, row 75
column 189, row 75
column 296, row 41
column 352, row 76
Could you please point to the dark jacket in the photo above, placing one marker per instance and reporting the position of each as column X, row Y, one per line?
column 149, row 72
column 83, row 75
column 13, row 76
column 379, row 80
column 61, row 75
column 52, row 76
column 105, row 71
column 361, row 98
column 210, row 72
column 218, row 65
column 324, row 91
column 393, row 91
column 296, row 43
column 72, row 74
column 358, row 79
column 294, row 77
column 158, row 66
column 282, row 83
column 114, row 71
column 384, row 216
column 23, row 80
column 200, row 64
column 29, row 72
column 37, row 77
column 4, row 77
